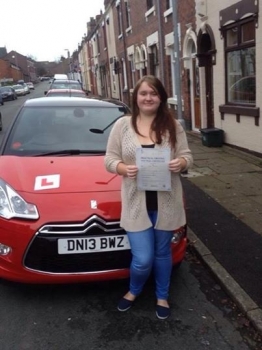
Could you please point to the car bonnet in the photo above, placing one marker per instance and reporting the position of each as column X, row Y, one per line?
column 58, row 174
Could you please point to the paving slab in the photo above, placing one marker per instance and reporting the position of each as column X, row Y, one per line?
column 229, row 245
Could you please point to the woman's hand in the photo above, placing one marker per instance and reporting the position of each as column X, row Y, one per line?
column 177, row 165
column 131, row 171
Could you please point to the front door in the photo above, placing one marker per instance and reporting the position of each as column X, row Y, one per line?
column 196, row 96
column 206, row 51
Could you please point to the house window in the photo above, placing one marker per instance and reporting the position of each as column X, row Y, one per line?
column 105, row 37
column 119, row 20
column 168, row 4
column 149, row 4
column 98, row 42
column 128, row 17
column 132, row 69
column 240, row 50
column 155, row 63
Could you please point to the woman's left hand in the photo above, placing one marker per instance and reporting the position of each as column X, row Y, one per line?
column 175, row 165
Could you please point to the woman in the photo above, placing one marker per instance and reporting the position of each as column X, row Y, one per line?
column 149, row 217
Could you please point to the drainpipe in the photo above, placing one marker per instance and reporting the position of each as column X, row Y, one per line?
column 176, row 62
column 160, row 39
column 125, row 56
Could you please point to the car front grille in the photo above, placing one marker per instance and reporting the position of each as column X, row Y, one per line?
column 42, row 254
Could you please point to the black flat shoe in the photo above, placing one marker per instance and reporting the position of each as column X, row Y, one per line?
column 124, row 304
column 162, row 312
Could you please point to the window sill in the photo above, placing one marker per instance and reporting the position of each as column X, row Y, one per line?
column 167, row 13
column 240, row 110
column 172, row 101
column 149, row 12
column 129, row 29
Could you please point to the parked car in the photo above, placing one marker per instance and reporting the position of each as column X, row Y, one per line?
column 60, row 208
column 1, row 100
column 66, row 92
column 26, row 88
column 65, row 84
column 30, row 85
column 19, row 89
column 60, row 76
column 44, row 78
column 8, row 93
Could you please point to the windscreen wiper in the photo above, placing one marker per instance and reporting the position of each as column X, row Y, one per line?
column 101, row 131
column 70, row 152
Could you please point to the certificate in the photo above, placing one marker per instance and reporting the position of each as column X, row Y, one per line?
column 153, row 173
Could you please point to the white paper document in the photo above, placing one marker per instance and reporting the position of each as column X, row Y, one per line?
column 153, row 173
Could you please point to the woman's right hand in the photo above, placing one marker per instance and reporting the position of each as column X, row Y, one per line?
column 131, row 171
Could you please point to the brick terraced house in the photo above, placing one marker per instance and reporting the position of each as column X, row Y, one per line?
column 220, row 45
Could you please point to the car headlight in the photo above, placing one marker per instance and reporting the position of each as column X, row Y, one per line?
column 13, row 205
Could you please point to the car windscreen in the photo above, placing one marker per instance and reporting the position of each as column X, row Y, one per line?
column 66, row 85
column 40, row 130
column 65, row 93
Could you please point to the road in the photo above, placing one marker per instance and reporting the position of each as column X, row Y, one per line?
column 84, row 316
column 10, row 108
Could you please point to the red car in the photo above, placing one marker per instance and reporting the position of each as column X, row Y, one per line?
column 59, row 207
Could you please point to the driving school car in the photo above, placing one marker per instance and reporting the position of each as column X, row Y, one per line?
column 59, row 207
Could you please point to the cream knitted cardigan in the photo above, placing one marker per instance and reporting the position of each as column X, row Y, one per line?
column 121, row 147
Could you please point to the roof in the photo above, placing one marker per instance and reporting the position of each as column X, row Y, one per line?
column 71, row 101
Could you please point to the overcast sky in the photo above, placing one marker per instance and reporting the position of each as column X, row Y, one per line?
column 45, row 28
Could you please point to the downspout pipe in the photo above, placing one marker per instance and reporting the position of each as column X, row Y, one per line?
column 160, row 39
column 125, row 54
column 176, row 62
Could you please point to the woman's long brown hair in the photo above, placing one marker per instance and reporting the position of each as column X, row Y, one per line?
column 164, row 121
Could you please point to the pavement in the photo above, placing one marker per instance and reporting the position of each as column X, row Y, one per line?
column 223, row 193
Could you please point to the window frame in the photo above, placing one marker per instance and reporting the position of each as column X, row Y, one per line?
column 149, row 4
column 237, row 48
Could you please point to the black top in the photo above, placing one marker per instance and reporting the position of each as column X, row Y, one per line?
column 151, row 196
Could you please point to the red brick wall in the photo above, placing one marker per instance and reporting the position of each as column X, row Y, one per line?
column 6, row 71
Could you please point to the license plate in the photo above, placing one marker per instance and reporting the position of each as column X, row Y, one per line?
column 92, row 244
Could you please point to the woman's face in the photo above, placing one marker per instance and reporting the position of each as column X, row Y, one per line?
column 148, row 99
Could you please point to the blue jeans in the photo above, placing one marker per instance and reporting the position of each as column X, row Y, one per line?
column 151, row 249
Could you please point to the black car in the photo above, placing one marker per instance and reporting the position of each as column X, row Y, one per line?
column 65, row 84
column 1, row 100
column 8, row 93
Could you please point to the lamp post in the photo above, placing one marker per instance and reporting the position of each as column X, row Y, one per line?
column 176, row 62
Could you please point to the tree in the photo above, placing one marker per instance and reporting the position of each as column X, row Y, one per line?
column 33, row 58
column 41, row 71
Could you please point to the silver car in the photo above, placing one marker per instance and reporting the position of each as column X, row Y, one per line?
column 19, row 89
